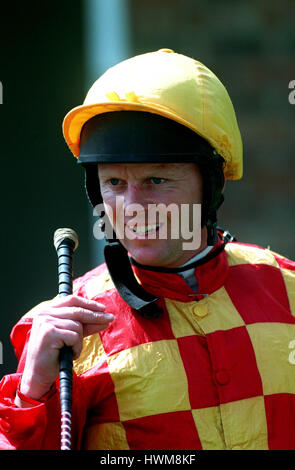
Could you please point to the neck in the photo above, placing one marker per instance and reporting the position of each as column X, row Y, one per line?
column 190, row 256
column 197, row 257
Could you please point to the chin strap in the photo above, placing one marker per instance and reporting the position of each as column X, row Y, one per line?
column 122, row 275
column 118, row 263
column 211, row 222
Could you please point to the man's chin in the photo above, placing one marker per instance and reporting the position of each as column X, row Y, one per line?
column 147, row 256
column 147, row 260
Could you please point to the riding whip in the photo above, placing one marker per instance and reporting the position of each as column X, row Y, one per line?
column 65, row 242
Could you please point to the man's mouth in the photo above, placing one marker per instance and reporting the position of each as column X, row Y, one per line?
column 143, row 230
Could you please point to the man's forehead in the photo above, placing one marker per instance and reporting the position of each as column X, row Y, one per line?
column 140, row 167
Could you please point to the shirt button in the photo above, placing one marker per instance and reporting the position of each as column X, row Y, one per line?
column 222, row 377
column 200, row 310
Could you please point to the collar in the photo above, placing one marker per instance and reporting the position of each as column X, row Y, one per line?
column 190, row 272
column 210, row 276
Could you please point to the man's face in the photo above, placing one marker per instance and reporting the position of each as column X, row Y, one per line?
column 150, row 238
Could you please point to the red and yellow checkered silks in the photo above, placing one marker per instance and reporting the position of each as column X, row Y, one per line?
column 217, row 373
column 214, row 371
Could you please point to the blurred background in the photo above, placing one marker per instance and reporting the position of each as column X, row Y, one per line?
column 50, row 54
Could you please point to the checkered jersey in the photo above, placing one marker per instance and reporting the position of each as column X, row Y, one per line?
column 214, row 371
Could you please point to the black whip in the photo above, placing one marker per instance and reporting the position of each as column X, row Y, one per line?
column 65, row 242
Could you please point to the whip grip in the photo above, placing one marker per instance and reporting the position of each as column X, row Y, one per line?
column 65, row 280
column 65, row 242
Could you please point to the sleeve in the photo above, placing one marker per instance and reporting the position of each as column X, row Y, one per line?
column 287, row 268
column 37, row 427
column 27, row 428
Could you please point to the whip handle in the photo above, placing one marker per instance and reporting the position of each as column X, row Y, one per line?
column 65, row 287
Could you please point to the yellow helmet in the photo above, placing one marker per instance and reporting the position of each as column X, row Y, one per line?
column 171, row 85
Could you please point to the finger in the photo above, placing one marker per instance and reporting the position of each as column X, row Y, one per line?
column 77, row 314
column 77, row 301
column 68, row 338
column 82, row 329
column 70, row 325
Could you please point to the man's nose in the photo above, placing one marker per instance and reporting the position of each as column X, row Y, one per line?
column 136, row 203
column 136, row 194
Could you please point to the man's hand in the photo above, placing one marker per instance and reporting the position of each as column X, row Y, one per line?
column 58, row 322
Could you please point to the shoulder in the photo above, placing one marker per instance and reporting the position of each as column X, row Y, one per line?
column 259, row 270
column 93, row 283
column 246, row 253
column 263, row 264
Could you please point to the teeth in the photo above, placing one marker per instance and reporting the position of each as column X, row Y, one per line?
column 143, row 228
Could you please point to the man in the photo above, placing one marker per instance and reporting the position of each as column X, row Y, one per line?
column 177, row 344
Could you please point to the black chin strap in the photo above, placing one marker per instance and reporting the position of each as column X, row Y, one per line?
column 117, row 261
column 120, row 269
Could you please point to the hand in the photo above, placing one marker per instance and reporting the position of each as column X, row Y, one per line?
column 58, row 322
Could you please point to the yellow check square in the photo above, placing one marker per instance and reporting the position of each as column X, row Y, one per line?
column 271, row 343
column 209, row 427
column 142, row 377
column 98, row 285
column 215, row 312
column 183, row 322
column 289, row 278
column 92, row 353
column 244, row 424
column 245, row 254
column 222, row 314
column 106, row 436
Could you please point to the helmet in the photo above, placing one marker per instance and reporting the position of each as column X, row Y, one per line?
column 180, row 112
column 173, row 86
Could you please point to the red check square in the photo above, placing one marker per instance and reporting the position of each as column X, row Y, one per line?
column 259, row 294
column 198, row 367
column 234, row 364
column 140, row 330
column 280, row 414
column 167, row 431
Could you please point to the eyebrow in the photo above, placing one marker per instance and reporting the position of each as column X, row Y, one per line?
column 168, row 167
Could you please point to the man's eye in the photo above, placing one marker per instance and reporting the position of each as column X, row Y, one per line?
column 114, row 181
column 156, row 180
